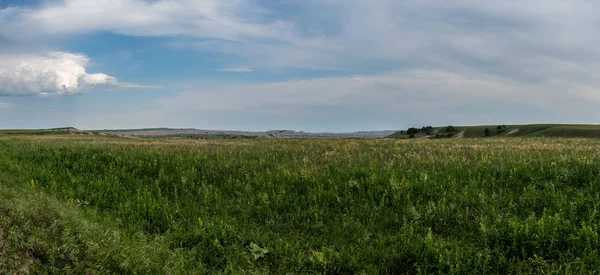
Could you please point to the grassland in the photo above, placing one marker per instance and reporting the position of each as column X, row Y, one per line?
column 90, row 204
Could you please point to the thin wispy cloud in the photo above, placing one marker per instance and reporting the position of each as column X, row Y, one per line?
column 130, row 85
column 237, row 70
column 211, row 18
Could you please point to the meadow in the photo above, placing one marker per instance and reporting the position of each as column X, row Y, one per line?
column 95, row 205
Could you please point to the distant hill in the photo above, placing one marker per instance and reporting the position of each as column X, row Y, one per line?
column 200, row 133
column 196, row 133
column 52, row 131
column 531, row 130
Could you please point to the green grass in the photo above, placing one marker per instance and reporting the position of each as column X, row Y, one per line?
column 44, row 235
column 568, row 131
column 93, row 204
column 399, row 135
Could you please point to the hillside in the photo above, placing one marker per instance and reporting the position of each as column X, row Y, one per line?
column 530, row 130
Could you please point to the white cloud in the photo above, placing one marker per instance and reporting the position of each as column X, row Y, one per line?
column 411, row 54
column 349, row 35
column 56, row 73
column 208, row 18
column 524, row 40
column 96, row 79
column 225, row 21
column 237, row 70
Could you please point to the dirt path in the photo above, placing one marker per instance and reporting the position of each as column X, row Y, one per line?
column 461, row 134
column 513, row 131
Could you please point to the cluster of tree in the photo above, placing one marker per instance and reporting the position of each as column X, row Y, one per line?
column 425, row 130
column 446, row 135
column 499, row 129
column 428, row 130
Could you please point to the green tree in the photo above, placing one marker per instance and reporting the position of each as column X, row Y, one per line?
column 412, row 132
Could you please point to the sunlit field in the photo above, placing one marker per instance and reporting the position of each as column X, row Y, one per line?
column 99, row 204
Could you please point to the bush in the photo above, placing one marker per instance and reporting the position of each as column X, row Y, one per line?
column 412, row 132
column 427, row 130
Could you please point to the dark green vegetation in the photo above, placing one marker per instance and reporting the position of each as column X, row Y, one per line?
column 532, row 130
column 88, row 204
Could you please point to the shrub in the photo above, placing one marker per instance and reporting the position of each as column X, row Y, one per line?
column 412, row 132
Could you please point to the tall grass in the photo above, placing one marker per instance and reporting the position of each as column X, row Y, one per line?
column 334, row 206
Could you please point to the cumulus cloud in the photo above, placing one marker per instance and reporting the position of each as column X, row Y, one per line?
column 56, row 73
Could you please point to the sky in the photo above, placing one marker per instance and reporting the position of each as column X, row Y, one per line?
column 311, row 65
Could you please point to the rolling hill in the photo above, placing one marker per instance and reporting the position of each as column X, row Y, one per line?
column 530, row 130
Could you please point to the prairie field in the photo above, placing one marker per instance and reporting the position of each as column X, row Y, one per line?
column 79, row 204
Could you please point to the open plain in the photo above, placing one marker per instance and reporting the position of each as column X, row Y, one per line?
column 98, row 204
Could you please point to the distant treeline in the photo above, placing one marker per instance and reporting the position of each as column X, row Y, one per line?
column 428, row 130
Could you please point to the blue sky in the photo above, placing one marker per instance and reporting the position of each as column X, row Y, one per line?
column 312, row 65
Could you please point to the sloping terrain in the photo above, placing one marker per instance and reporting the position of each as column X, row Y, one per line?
column 531, row 130
column 569, row 131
